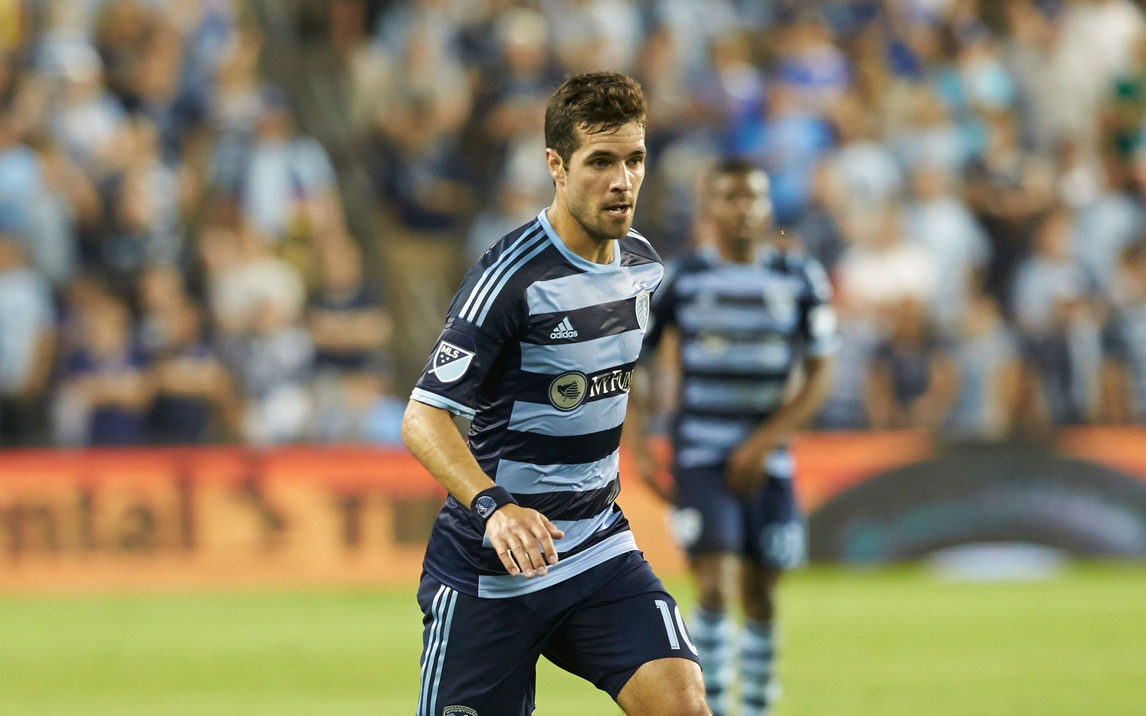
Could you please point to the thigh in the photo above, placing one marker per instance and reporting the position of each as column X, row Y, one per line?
column 478, row 655
column 707, row 517
column 776, row 535
column 626, row 622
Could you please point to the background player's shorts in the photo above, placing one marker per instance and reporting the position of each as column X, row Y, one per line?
column 765, row 527
column 479, row 655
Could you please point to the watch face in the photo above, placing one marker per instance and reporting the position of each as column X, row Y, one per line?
column 485, row 506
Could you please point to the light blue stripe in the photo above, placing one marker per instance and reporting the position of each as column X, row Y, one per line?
column 505, row 262
column 505, row 279
column 729, row 318
column 428, row 663
column 718, row 395
column 740, row 282
column 589, row 356
column 700, row 456
column 704, row 430
column 766, row 355
column 581, row 290
column 453, row 600
column 590, row 417
column 437, row 401
column 526, row 478
column 501, row 586
column 577, row 532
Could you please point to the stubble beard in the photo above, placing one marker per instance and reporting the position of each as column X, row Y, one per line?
column 598, row 233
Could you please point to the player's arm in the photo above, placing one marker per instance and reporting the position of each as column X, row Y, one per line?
column 635, row 436
column 746, row 464
column 522, row 537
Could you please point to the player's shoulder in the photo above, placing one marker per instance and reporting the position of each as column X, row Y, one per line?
column 803, row 266
column 636, row 249
column 503, row 271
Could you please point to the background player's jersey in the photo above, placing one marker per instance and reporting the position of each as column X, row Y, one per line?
column 538, row 350
column 744, row 329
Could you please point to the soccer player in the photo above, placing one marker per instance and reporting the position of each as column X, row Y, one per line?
column 750, row 332
column 530, row 556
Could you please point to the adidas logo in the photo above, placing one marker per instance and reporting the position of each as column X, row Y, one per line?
column 564, row 329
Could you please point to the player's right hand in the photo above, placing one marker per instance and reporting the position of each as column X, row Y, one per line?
column 523, row 539
column 654, row 475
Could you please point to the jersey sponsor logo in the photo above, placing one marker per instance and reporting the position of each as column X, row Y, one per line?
column 564, row 329
column 450, row 362
column 568, row 390
column 643, row 299
column 458, row 711
column 611, row 382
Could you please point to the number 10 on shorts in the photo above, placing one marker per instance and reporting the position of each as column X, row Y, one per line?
column 674, row 626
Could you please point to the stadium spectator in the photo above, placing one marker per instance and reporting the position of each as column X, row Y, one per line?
column 936, row 219
column 989, row 375
column 195, row 399
column 27, row 347
column 913, row 378
column 347, row 323
column 107, row 387
column 1124, row 343
column 1057, row 316
column 358, row 405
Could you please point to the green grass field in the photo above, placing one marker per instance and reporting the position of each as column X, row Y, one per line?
column 886, row 643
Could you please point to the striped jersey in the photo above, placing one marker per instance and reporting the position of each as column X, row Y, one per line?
column 744, row 328
column 538, row 351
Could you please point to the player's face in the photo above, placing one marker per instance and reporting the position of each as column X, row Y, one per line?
column 739, row 208
column 602, row 180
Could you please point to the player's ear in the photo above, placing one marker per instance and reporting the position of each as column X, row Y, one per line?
column 556, row 165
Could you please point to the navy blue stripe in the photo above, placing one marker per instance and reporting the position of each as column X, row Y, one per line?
column 603, row 319
column 750, row 377
column 747, row 415
column 532, row 387
column 559, row 450
column 456, row 525
column 572, row 505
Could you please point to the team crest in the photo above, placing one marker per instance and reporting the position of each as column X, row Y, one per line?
column 568, row 390
column 643, row 310
column 450, row 362
column 459, row 711
column 780, row 304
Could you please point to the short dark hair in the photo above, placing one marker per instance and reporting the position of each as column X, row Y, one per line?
column 730, row 166
column 593, row 102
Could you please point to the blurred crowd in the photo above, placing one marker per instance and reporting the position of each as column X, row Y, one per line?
column 182, row 259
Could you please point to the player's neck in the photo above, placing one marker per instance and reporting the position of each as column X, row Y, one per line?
column 576, row 238
column 736, row 253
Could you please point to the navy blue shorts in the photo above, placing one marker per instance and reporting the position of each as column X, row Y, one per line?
column 765, row 527
column 480, row 655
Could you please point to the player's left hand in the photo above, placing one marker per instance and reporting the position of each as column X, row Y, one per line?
column 745, row 470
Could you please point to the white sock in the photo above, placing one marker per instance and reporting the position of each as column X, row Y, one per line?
column 714, row 636
column 758, row 688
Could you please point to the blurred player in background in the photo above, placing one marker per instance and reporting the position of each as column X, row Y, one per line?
column 530, row 555
column 747, row 331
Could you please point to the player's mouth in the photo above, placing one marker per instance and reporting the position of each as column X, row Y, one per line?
column 619, row 210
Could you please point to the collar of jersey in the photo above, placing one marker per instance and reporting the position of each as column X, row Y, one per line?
column 576, row 260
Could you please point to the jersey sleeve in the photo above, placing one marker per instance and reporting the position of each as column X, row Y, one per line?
column 468, row 347
column 662, row 311
column 818, row 321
